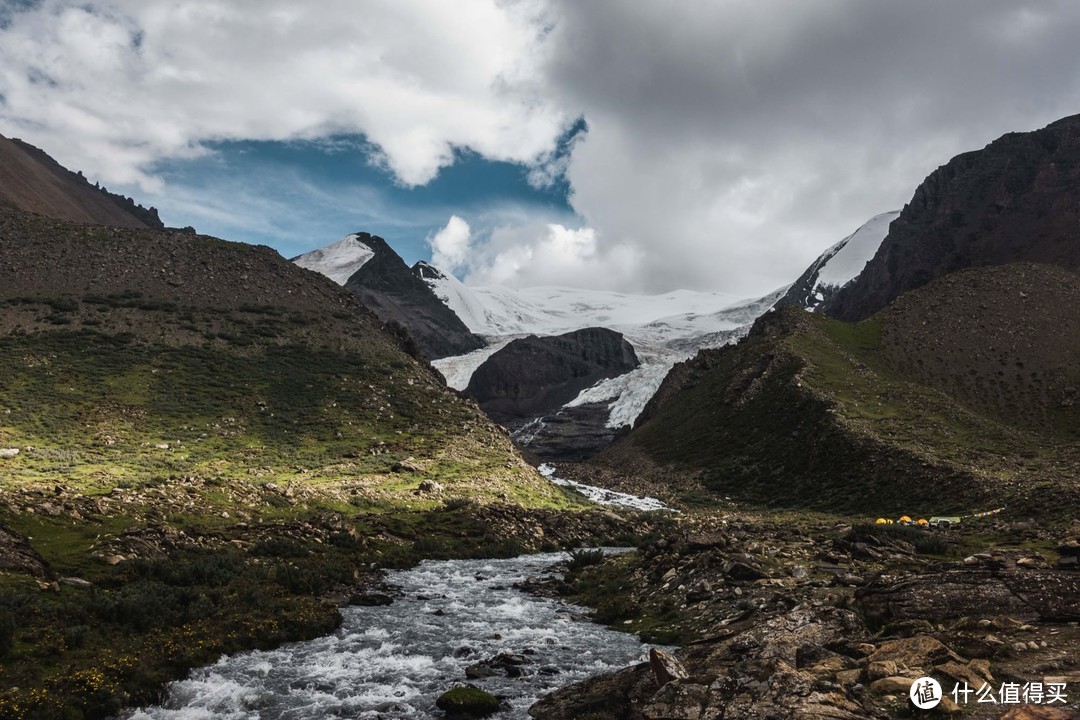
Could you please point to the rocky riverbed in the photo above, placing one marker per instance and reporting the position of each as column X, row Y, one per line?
column 796, row 617
column 446, row 623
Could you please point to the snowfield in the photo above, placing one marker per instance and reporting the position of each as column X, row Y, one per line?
column 337, row 261
column 664, row 329
column 843, row 262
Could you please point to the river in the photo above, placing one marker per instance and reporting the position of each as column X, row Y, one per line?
column 394, row 661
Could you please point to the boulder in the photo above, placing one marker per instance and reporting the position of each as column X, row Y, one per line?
column 896, row 685
column 467, row 701
column 665, row 667
column 8, row 453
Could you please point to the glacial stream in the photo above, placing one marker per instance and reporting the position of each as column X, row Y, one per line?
column 394, row 661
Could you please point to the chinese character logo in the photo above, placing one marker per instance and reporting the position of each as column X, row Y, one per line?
column 925, row 693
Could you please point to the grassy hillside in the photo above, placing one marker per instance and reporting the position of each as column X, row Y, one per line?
column 208, row 439
column 888, row 415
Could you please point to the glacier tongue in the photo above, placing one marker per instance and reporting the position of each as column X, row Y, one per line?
column 603, row 496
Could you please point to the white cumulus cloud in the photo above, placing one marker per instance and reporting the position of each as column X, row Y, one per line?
column 110, row 86
column 450, row 245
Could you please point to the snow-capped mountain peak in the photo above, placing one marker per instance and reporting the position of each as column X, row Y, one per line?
column 338, row 261
column 841, row 263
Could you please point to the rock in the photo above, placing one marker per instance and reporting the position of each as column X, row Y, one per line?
column 508, row 664
column 17, row 555
column 478, row 671
column 881, row 669
column 961, row 674
column 849, row 677
column 799, row 572
column 921, row 651
column 371, row 599
column 665, row 667
column 737, row 570
column 677, row 701
column 430, row 486
column 76, row 582
column 467, row 701
column 668, row 576
column 895, row 685
column 406, row 465
column 981, row 668
column 948, row 707
column 8, row 453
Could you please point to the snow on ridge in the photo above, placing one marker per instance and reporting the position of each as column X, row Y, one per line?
column 338, row 261
column 843, row 262
column 458, row 370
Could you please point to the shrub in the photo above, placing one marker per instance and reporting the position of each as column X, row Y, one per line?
column 279, row 547
column 458, row 503
column 583, row 558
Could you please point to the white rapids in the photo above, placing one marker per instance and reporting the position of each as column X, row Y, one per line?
column 603, row 496
column 393, row 662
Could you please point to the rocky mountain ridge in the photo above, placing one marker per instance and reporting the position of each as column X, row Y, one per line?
column 368, row 267
column 32, row 181
column 1016, row 199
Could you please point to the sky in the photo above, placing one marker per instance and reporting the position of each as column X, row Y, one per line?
column 642, row 147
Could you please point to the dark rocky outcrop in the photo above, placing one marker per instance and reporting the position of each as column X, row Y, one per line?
column 18, row 556
column 387, row 286
column 535, row 376
column 32, row 181
column 1029, row 595
column 1016, row 199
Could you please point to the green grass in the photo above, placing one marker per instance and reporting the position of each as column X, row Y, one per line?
column 813, row 415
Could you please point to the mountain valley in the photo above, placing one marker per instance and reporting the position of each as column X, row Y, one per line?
column 207, row 449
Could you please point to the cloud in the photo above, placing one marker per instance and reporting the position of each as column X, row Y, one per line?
column 728, row 143
column 135, row 81
column 450, row 245
column 536, row 253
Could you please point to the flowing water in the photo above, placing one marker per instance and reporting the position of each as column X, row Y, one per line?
column 394, row 661
column 603, row 496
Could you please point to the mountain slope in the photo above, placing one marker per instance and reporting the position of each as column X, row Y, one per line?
column 875, row 417
column 1016, row 199
column 118, row 340
column 370, row 269
column 32, row 181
